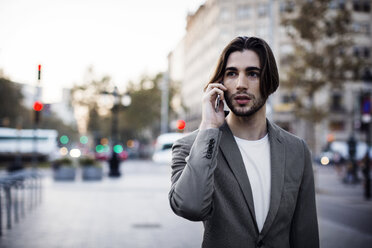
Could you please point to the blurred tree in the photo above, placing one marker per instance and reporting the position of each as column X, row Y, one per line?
column 11, row 103
column 90, row 95
column 321, row 37
column 141, row 120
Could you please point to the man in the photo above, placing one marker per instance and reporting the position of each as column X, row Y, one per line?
column 249, row 181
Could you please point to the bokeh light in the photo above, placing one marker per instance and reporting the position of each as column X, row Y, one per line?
column 99, row 148
column 118, row 149
column 84, row 140
column 64, row 139
column 75, row 153
column 324, row 160
column 63, row 151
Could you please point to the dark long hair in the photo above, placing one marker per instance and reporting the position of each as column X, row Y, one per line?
column 269, row 77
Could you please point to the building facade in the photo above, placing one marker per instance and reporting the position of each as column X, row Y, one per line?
column 217, row 22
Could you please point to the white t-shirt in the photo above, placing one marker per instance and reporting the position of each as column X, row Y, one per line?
column 256, row 158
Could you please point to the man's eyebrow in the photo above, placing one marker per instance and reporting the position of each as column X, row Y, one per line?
column 231, row 69
column 252, row 68
column 249, row 68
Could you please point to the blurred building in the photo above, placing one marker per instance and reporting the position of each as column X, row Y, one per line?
column 64, row 109
column 217, row 22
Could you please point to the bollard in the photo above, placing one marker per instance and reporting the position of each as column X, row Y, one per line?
column 30, row 187
column 8, row 198
column 23, row 194
column 15, row 202
column 1, row 211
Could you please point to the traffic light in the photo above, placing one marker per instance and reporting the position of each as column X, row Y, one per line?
column 38, row 106
column 181, row 124
column 39, row 72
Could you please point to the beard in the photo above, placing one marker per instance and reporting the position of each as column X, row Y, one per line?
column 245, row 111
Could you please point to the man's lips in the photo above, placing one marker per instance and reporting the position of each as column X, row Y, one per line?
column 242, row 99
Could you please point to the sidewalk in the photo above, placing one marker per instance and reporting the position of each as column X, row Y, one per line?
column 345, row 217
column 131, row 212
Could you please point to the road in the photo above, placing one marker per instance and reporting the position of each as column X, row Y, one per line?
column 133, row 211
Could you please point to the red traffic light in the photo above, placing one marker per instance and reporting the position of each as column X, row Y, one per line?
column 38, row 106
column 181, row 124
column 38, row 72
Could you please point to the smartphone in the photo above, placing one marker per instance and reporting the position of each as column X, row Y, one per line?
column 218, row 102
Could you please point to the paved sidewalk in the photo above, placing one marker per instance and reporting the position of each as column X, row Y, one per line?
column 133, row 211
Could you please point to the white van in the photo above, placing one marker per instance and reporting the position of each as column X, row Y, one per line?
column 163, row 147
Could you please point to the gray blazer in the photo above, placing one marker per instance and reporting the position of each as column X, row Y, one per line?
column 210, row 184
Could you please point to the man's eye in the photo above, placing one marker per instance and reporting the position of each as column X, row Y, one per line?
column 253, row 74
column 230, row 73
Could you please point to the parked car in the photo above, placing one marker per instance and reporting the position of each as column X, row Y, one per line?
column 163, row 147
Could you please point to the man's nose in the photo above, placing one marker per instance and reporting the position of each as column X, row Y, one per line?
column 241, row 82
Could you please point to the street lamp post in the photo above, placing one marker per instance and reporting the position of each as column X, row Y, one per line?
column 114, row 161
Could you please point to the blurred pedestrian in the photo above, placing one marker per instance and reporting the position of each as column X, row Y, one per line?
column 338, row 161
column 248, row 180
column 352, row 167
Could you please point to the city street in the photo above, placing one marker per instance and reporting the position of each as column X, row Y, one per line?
column 133, row 211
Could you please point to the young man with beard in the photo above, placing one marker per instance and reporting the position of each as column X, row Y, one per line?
column 248, row 180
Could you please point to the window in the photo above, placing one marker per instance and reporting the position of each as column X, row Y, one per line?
column 356, row 5
column 361, row 27
column 366, row 52
column 362, row 52
column 336, row 102
column 243, row 11
column 362, row 6
column 337, row 4
column 263, row 9
column 366, row 6
column 367, row 75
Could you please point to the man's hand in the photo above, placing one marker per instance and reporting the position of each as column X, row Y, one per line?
column 211, row 119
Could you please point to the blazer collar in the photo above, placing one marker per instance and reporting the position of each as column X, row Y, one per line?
column 234, row 159
column 278, row 157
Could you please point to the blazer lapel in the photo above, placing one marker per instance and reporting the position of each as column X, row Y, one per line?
column 234, row 159
column 277, row 152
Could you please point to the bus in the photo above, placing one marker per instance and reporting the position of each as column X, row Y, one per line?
column 26, row 142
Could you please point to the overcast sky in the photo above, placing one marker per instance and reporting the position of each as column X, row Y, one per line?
column 120, row 38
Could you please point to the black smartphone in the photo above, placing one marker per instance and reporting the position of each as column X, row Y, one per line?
column 218, row 102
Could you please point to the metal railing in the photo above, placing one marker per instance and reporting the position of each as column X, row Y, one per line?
column 18, row 191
